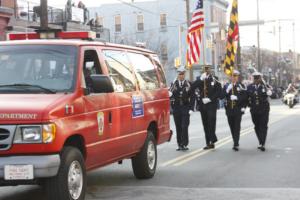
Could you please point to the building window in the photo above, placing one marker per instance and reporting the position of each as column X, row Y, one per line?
column 164, row 52
column 99, row 21
column 118, row 24
column 163, row 21
column 140, row 23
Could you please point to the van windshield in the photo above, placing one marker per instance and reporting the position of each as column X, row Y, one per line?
column 37, row 68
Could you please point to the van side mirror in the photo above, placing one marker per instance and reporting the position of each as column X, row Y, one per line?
column 101, row 84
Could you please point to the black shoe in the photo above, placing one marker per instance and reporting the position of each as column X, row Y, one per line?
column 262, row 148
column 235, row 148
column 185, row 148
column 207, row 147
column 210, row 146
column 180, row 148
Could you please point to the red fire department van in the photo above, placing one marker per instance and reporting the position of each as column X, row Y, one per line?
column 70, row 106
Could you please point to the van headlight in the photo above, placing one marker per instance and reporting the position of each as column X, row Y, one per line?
column 35, row 134
column 31, row 134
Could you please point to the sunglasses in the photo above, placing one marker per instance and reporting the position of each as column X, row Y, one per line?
column 181, row 74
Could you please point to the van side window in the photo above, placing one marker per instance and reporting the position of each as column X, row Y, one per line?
column 120, row 71
column 91, row 65
column 145, row 71
column 160, row 71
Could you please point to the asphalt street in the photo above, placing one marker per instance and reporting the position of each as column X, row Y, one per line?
column 209, row 175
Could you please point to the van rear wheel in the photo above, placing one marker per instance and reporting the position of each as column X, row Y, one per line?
column 70, row 182
column 144, row 163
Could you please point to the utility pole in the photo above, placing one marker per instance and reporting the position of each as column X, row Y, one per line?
column 279, row 34
column 180, row 43
column 188, row 20
column 44, row 14
column 294, row 47
column 259, row 68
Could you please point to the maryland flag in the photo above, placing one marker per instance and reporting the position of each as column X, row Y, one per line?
column 232, row 40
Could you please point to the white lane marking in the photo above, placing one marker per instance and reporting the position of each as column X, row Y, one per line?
column 173, row 161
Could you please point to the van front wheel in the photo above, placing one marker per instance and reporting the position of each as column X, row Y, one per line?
column 70, row 182
column 144, row 163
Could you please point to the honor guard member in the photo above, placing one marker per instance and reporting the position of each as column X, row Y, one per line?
column 235, row 105
column 180, row 100
column 258, row 94
column 209, row 90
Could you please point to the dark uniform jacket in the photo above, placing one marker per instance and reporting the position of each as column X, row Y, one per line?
column 258, row 98
column 209, row 88
column 180, row 94
column 234, row 107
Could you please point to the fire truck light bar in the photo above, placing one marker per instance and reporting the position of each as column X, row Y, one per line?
column 23, row 36
column 84, row 35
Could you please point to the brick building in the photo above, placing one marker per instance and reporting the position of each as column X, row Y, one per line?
column 5, row 13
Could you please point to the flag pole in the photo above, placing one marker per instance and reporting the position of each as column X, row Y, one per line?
column 232, row 92
column 188, row 20
column 203, row 46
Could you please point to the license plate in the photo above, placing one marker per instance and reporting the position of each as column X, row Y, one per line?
column 18, row 172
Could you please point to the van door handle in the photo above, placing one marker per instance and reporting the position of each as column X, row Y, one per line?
column 110, row 117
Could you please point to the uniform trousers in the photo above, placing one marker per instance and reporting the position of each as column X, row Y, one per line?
column 182, row 121
column 261, row 121
column 234, row 121
column 209, row 119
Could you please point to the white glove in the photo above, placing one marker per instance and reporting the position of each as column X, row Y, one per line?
column 243, row 110
column 229, row 88
column 203, row 76
column 206, row 100
column 233, row 98
column 170, row 94
column 187, row 88
column 191, row 112
column 269, row 92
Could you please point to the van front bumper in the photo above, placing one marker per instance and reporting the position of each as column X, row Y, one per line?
column 43, row 166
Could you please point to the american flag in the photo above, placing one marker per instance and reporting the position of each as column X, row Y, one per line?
column 194, row 36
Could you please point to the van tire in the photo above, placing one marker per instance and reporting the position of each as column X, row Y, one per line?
column 144, row 163
column 57, row 188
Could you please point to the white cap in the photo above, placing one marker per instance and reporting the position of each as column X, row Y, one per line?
column 236, row 72
column 181, row 69
column 256, row 73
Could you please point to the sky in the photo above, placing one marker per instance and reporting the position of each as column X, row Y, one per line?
column 269, row 10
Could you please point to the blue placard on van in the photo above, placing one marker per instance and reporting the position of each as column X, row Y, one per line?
column 137, row 106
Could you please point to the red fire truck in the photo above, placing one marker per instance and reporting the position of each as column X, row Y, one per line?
column 68, row 106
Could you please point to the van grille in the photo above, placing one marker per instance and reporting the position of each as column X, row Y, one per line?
column 6, row 136
column 4, row 146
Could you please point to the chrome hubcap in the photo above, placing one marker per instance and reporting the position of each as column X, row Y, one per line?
column 151, row 156
column 75, row 180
